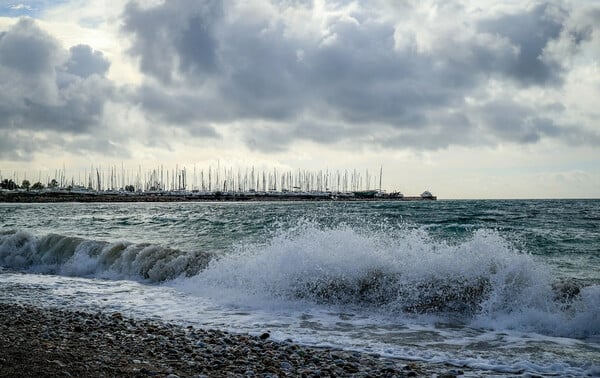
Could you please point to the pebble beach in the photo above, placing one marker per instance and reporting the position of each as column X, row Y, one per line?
column 110, row 290
column 48, row 342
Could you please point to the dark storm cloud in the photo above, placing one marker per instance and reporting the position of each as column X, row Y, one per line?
column 176, row 109
column 85, row 62
column 443, row 130
column 276, row 72
column 273, row 138
column 48, row 89
column 25, row 145
column 530, row 32
column 218, row 62
column 27, row 50
column 515, row 122
column 263, row 75
column 176, row 36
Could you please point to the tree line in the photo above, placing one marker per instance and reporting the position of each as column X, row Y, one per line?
column 9, row 184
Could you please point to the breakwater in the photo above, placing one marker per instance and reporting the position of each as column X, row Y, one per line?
column 91, row 196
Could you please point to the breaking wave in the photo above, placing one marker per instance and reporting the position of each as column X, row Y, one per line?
column 73, row 256
column 482, row 281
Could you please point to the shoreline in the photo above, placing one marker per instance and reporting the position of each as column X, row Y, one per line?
column 38, row 342
column 65, row 196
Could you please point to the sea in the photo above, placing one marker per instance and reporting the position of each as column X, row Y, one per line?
column 503, row 286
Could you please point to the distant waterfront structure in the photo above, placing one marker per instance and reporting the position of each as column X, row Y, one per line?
column 222, row 182
column 426, row 194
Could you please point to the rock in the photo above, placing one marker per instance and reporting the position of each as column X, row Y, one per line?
column 286, row 365
column 265, row 336
column 351, row 367
column 123, row 348
column 58, row 362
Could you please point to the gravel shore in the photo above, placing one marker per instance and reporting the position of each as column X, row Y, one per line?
column 36, row 342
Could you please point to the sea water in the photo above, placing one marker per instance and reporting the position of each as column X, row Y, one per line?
column 504, row 286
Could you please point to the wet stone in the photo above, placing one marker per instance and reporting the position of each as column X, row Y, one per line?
column 119, row 346
column 286, row 365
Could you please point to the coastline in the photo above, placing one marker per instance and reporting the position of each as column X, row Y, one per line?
column 66, row 196
column 38, row 342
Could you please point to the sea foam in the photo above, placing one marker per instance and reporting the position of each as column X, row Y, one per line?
column 481, row 281
column 74, row 256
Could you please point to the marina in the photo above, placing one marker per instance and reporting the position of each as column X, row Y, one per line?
column 211, row 184
column 181, row 196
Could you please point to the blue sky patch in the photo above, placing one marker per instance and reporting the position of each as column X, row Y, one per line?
column 26, row 8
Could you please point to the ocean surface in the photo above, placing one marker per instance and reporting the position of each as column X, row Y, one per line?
column 504, row 286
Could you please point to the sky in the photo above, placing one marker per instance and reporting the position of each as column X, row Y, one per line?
column 485, row 99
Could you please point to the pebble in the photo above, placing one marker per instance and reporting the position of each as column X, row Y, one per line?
column 53, row 342
column 286, row 365
column 264, row 336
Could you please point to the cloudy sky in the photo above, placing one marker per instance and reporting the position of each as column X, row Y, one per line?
column 484, row 99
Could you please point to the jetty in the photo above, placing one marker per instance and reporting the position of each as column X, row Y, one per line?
column 211, row 184
column 46, row 196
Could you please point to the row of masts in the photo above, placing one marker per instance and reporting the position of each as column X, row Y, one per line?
column 206, row 179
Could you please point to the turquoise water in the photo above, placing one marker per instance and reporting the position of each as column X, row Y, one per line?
column 509, row 286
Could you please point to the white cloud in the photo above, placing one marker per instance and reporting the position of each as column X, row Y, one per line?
column 300, row 83
column 19, row 7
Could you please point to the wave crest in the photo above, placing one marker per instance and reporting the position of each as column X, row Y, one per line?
column 400, row 271
column 74, row 256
